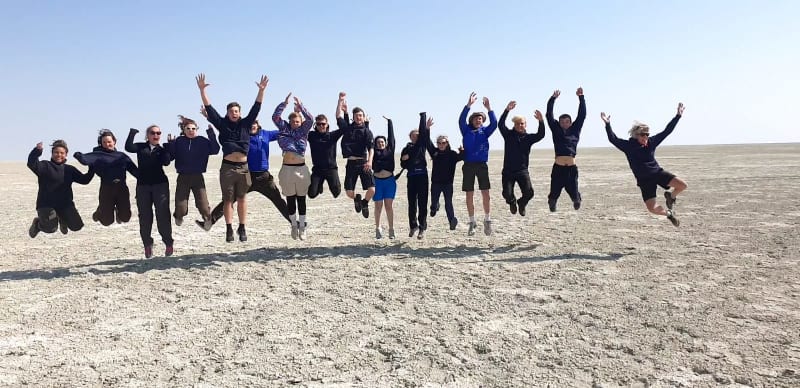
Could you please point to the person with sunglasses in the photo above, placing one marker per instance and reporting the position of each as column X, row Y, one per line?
column 412, row 158
column 322, row 143
column 294, row 176
column 475, row 138
column 640, row 151
column 516, row 152
column 152, row 188
column 566, row 134
column 443, row 170
column 190, row 152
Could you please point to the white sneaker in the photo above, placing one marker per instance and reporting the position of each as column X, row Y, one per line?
column 487, row 227
column 391, row 234
column 378, row 234
column 302, row 231
column 295, row 231
column 472, row 226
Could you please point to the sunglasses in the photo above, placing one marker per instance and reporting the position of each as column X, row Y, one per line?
column 190, row 129
column 644, row 135
column 318, row 124
column 441, row 142
column 155, row 133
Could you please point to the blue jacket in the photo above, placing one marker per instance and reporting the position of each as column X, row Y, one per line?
column 476, row 141
column 191, row 155
column 258, row 155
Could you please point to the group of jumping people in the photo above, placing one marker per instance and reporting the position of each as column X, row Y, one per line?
column 370, row 160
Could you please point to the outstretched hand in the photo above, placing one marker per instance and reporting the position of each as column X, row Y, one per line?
column 606, row 118
column 472, row 98
column 579, row 92
column 39, row 146
column 486, row 103
column 680, row 109
column 262, row 84
column 288, row 97
column 556, row 93
column 210, row 127
column 538, row 115
column 201, row 81
column 429, row 123
column 342, row 95
column 511, row 105
column 387, row 119
column 170, row 137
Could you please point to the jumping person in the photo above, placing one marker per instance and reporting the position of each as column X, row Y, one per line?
column 640, row 151
column 152, row 188
column 412, row 158
column 55, row 207
column 385, row 181
column 190, row 152
column 114, row 198
column 516, row 152
column 294, row 176
column 322, row 143
column 356, row 145
column 476, row 154
column 566, row 135
column 443, row 170
column 234, row 137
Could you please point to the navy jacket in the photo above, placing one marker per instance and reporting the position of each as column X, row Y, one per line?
column 642, row 159
column 55, row 181
column 233, row 136
column 517, row 149
column 151, row 160
column 191, row 155
column 565, row 141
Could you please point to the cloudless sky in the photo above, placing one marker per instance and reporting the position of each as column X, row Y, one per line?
column 70, row 68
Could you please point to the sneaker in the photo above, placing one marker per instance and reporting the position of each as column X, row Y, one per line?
column 378, row 234
column 421, row 234
column 357, row 203
column 472, row 226
column 434, row 210
column 522, row 210
column 453, row 224
column 242, row 233
column 671, row 217
column 148, row 251
column 62, row 226
column 552, row 204
column 513, row 207
column 178, row 221
column 670, row 199
column 391, row 234
column 301, row 231
column 229, row 235
column 295, row 231
column 207, row 224
column 487, row 227
column 365, row 208
column 95, row 217
column 412, row 231
column 576, row 205
column 169, row 251
column 34, row 229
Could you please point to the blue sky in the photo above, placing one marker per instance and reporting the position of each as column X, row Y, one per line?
column 70, row 68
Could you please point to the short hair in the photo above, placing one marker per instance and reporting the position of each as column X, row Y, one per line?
column 151, row 126
column 381, row 137
column 443, row 137
column 233, row 104
column 256, row 123
column 356, row 110
column 295, row 114
column 59, row 144
column 412, row 131
column 517, row 119
column 638, row 128
column 321, row 117
column 565, row 116
column 104, row 133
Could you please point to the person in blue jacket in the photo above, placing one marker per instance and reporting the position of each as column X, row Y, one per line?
column 475, row 139
column 640, row 151
column 190, row 153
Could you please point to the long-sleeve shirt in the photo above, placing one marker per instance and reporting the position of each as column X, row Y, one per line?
column 517, row 147
column 356, row 139
column 443, row 163
column 55, row 181
column 109, row 165
column 191, row 155
column 416, row 163
column 258, row 155
column 323, row 148
column 476, row 140
column 641, row 158
column 565, row 141
column 383, row 160
column 292, row 140
column 233, row 136
column 150, row 158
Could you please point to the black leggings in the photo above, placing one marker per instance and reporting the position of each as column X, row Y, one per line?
column 296, row 203
column 564, row 177
column 523, row 180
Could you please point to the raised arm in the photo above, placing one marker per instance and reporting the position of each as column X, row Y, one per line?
column 492, row 118
column 276, row 116
column 578, row 123
column 129, row 145
column 33, row 158
column 213, row 143
column 504, row 130
column 390, row 130
column 202, row 85
column 309, row 119
column 612, row 138
column 252, row 115
column 370, row 139
column 551, row 121
column 463, row 125
column 79, row 177
column 659, row 137
column 539, row 135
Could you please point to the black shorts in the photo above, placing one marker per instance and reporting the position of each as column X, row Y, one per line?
column 648, row 185
column 470, row 171
column 355, row 170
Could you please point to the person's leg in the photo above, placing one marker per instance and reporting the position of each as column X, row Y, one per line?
column 678, row 185
column 315, row 187
column 485, row 185
column 523, row 179
column 201, row 197
column 447, row 190
column 470, row 205
column 378, row 208
column 422, row 202
column 556, row 185
column 46, row 221
column 291, row 205
column 507, row 183
column 571, row 186
column 107, row 199
column 122, row 203
column 436, row 191
column 332, row 176
column 144, row 203
column 163, row 221
column 350, row 176
column 243, row 183
column 264, row 183
column 368, row 185
column 182, row 188
column 69, row 216
column 411, row 190
column 388, row 205
column 301, row 179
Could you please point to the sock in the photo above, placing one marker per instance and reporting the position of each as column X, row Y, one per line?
column 471, row 219
column 302, row 220
column 487, row 218
column 293, row 218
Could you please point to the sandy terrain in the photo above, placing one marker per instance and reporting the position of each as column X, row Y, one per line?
column 607, row 296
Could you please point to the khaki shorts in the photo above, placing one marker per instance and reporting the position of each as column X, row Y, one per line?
column 234, row 181
column 294, row 180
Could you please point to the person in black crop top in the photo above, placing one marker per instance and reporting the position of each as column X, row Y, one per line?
column 566, row 134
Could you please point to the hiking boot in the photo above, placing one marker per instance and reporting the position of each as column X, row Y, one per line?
column 378, row 234
column 242, row 233
column 357, row 203
column 513, row 207
column 453, row 224
column 487, row 227
column 169, row 250
column 229, row 235
column 472, row 226
column 670, row 199
column 576, row 205
column 178, row 221
column 391, row 234
column 34, row 229
column 421, row 234
column 552, row 204
column 365, row 208
column 148, row 251
column 671, row 217
column 412, row 231
column 63, row 226
column 301, row 231
column 522, row 210
column 295, row 231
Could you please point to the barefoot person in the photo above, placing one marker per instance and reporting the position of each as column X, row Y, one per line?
column 322, row 142
column 566, row 135
column 234, row 137
column 152, row 188
column 357, row 149
column 443, row 170
column 476, row 154
column 412, row 158
column 640, row 150
column 294, row 176
column 55, row 207
column 385, row 182
column 190, row 152
column 516, row 152
column 114, row 198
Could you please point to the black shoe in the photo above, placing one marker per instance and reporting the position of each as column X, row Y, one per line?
column 552, row 204
column 229, row 235
column 242, row 233
column 672, row 219
column 62, row 226
column 576, row 205
column 513, row 207
column 95, row 217
column 357, row 203
column 34, row 229
column 412, row 231
column 522, row 210
column 421, row 234
column 453, row 224
column 433, row 211
column 670, row 199
column 365, row 208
